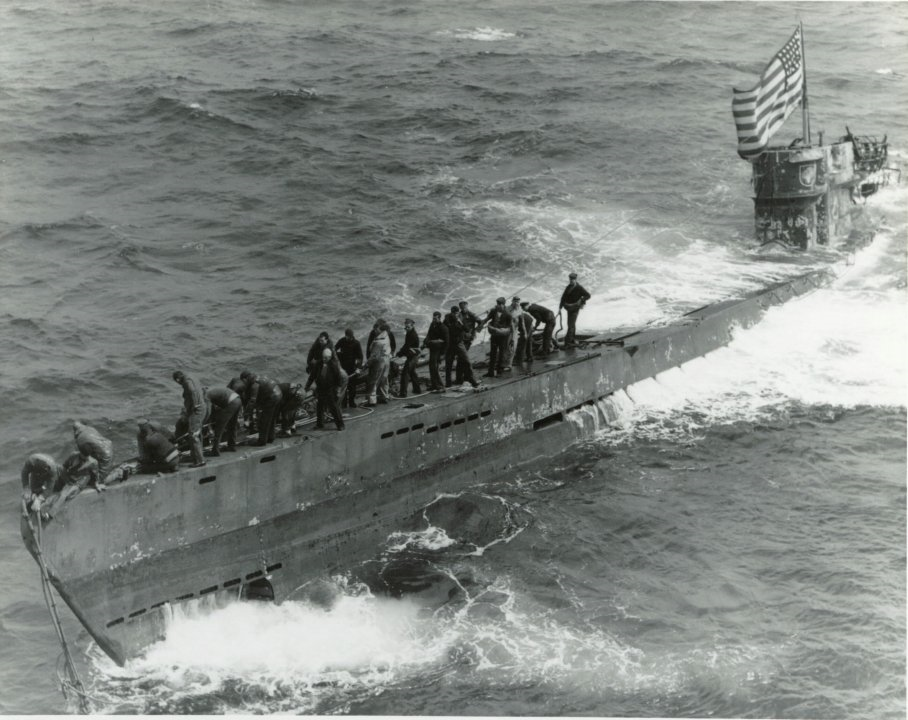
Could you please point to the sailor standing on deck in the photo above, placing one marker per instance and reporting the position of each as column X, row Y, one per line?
column 437, row 341
column 328, row 378
column 350, row 354
column 410, row 353
column 573, row 299
column 471, row 321
column 379, row 364
column 499, row 322
column 524, row 332
column 195, row 405
column 268, row 400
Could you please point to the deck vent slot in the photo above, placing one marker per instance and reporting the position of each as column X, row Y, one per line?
column 268, row 458
column 445, row 425
column 276, row 566
column 414, row 406
column 386, row 435
column 460, row 421
column 115, row 622
column 401, row 431
column 417, row 426
column 473, row 416
column 208, row 590
column 432, row 429
column 231, row 583
column 137, row 613
column 186, row 596
column 485, row 413
column 158, row 604
column 257, row 573
column 631, row 350
column 207, row 479
column 548, row 420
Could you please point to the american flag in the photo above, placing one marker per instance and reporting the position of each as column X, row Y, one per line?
column 760, row 111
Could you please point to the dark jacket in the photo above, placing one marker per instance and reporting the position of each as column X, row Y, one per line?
column 326, row 376
column 410, row 348
column 574, row 295
column 315, row 353
column 350, row 353
column 499, row 319
column 193, row 396
column 456, row 329
column 470, row 322
column 220, row 397
column 540, row 313
column 436, row 336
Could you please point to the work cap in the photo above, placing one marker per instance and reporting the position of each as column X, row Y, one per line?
column 436, row 314
column 573, row 276
column 525, row 303
column 515, row 299
column 455, row 309
column 501, row 301
column 409, row 321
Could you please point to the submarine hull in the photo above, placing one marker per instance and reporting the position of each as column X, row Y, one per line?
column 267, row 521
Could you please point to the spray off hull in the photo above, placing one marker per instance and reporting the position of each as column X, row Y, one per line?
column 268, row 520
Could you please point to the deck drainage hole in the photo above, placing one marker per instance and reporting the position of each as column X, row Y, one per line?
column 268, row 458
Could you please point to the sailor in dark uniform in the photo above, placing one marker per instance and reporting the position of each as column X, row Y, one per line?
column 499, row 322
column 157, row 452
column 328, row 378
column 437, row 341
column 240, row 387
column 543, row 315
column 471, row 321
column 573, row 299
column 195, row 404
column 315, row 351
column 410, row 353
column 90, row 442
column 524, row 334
column 457, row 350
column 350, row 355
column 292, row 398
column 268, row 399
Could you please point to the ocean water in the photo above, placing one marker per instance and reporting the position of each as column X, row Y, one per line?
column 207, row 186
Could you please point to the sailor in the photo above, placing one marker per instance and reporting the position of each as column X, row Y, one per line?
column 499, row 321
column 457, row 350
column 90, row 442
column 524, row 333
column 376, row 331
column 315, row 350
column 41, row 477
column 515, row 311
column 238, row 385
column 470, row 322
column 195, row 405
column 437, row 341
column 82, row 470
column 225, row 412
column 455, row 328
column 268, row 400
column 542, row 315
column 292, row 398
column 327, row 376
column 379, row 364
column 573, row 299
column 157, row 451
column 350, row 355
column 410, row 353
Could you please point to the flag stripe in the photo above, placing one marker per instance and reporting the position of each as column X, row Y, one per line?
column 760, row 111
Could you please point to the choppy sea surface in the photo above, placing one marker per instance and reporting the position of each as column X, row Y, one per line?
column 208, row 185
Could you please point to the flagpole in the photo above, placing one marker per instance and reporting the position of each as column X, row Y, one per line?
column 805, row 111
